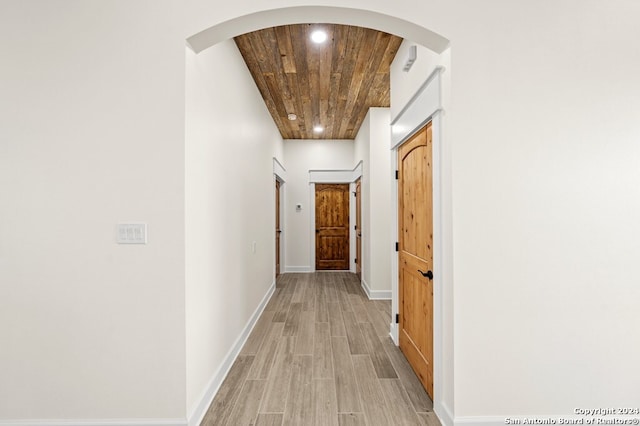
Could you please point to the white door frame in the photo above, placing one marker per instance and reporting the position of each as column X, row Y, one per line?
column 332, row 176
column 423, row 107
column 280, row 175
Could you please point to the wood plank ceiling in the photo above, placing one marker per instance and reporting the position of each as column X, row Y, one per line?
column 331, row 84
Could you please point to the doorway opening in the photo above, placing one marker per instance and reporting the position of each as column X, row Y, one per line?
column 278, row 228
column 332, row 226
column 358, row 228
column 443, row 341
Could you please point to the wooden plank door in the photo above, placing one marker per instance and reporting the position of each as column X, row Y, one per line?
column 332, row 226
column 278, row 230
column 415, row 193
column 358, row 229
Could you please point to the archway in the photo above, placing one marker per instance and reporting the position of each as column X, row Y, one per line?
column 303, row 14
column 417, row 34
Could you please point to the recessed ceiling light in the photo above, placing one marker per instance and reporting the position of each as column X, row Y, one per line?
column 319, row 36
column 318, row 129
column 292, row 117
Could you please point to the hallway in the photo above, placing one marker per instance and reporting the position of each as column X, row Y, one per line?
column 320, row 354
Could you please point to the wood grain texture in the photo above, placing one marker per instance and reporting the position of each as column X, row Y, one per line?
column 269, row 419
column 398, row 402
column 265, row 355
column 352, row 419
column 245, row 411
column 311, row 378
column 379, row 357
column 258, row 334
column 306, row 333
column 418, row 396
column 429, row 419
column 344, row 375
column 373, row 402
column 224, row 401
column 415, row 257
column 322, row 354
column 357, row 343
column 326, row 404
column 336, row 322
column 300, row 408
column 332, row 226
column 292, row 323
column 333, row 84
column 275, row 395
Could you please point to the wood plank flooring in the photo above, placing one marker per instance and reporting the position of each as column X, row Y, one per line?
column 320, row 354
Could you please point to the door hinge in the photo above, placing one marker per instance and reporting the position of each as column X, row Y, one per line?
column 355, row 260
column 396, row 175
column 355, row 227
column 397, row 247
column 397, row 318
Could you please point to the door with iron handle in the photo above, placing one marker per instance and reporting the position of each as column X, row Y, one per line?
column 427, row 274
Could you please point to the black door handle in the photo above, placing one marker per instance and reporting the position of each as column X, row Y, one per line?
column 427, row 274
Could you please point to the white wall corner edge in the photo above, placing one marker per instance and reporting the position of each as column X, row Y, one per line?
column 375, row 294
column 111, row 422
column 201, row 407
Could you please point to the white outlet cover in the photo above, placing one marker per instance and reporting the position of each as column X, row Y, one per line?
column 132, row 233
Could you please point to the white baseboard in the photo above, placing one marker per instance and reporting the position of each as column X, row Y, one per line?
column 443, row 413
column 483, row 420
column 112, row 422
column 393, row 332
column 299, row 269
column 375, row 294
column 514, row 419
column 198, row 412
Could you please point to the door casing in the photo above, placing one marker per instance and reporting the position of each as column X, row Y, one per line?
column 332, row 228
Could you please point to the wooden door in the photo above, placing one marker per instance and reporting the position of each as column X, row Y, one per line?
column 332, row 226
column 278, row 230
column 415, row 215
column 358, row 229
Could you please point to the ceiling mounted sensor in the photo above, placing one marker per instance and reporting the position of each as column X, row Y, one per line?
column 292, row 117
column 413, row 54
column 319, row 36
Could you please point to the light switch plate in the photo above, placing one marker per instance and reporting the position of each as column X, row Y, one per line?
column 132, row 233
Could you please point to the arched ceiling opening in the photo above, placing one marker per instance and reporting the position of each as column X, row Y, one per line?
column 319, row 90
column 305, row 14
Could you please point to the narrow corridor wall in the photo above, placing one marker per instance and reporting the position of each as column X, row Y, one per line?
column 300, row 156
column 230, row 142
column 372, row 148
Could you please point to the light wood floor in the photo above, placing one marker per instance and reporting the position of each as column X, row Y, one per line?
column 320, row 354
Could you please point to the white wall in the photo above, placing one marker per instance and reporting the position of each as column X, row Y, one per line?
column 372, row 148
column 91, row 130
column 542, row 138
column 380, row 205
column 542, row 133
column 545, row 200
column 300, row 156
column 229, row 205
